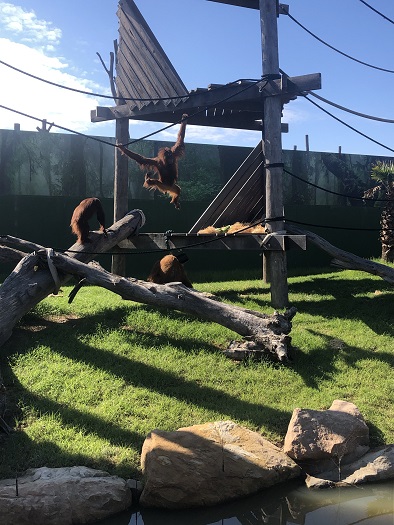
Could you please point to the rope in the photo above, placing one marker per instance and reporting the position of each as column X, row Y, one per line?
column 339, row 227
column 349, row 126
column 265, row 78
column 133, row 99
column 350, row 110
column 376, row 11
column 337, row 50
column 334, row 192
column 58, row 126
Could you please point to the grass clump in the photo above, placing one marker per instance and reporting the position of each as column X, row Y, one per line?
column 88, row 381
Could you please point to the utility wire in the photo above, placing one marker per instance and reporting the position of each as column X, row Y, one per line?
column 379, row 119
column 376, row 11
column 337, row 50
column 349, row 126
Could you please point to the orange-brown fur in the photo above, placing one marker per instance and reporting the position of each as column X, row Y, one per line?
column 80, row 218
column 168, row 270
column 165, row 166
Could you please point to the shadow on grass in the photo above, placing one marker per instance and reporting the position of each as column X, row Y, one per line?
column 66, row 342
column 319, row 364
column 349, row 301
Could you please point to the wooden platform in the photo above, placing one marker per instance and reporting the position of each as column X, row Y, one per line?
column 241, row 241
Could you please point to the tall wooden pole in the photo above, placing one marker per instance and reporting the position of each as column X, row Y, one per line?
column 121, row 188
column 272, row 141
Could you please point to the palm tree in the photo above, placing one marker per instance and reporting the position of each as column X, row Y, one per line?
column 383, row 174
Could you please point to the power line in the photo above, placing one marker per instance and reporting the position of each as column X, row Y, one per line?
column 337, row 50
column 349, row 126
column 376, row 11
column 379, row 119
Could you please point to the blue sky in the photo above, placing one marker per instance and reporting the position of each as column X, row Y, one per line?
column 207, row 43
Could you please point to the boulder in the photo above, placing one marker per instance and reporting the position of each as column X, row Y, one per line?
column 62, row 496
column 208, row 464
column 376, row 465
column 320, row 439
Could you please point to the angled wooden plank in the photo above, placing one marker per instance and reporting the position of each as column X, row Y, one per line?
column 215, row 210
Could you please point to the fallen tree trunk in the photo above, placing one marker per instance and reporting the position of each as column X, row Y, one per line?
column 344, row 259
column 31, row 280
column 268, row 332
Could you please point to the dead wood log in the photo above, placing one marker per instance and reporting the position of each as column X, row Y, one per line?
column 31, row 281
column 268, row 331
column 8, row 254
column 344, row 259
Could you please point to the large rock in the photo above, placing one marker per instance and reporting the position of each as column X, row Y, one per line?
column 376, row 465
column 62, row 496
column 319, row 439
column 208, row 464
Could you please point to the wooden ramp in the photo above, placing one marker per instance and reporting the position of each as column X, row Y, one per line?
column 241, row 199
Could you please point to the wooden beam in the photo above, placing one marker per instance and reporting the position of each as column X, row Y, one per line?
column 241, row 241
column 251, row 4
column 275, row 262
column 245, row 120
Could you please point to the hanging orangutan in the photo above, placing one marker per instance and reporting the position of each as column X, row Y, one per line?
column 165, row 166
column 80, row 219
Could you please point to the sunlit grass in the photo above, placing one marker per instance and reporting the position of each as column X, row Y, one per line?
column 91, row 379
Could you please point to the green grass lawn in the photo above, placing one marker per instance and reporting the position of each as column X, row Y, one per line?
column 89, row 380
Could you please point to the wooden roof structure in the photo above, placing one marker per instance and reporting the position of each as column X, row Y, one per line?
column 145, row 74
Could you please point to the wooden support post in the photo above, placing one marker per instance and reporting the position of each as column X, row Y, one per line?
column 121, row 187
column 272, row 140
